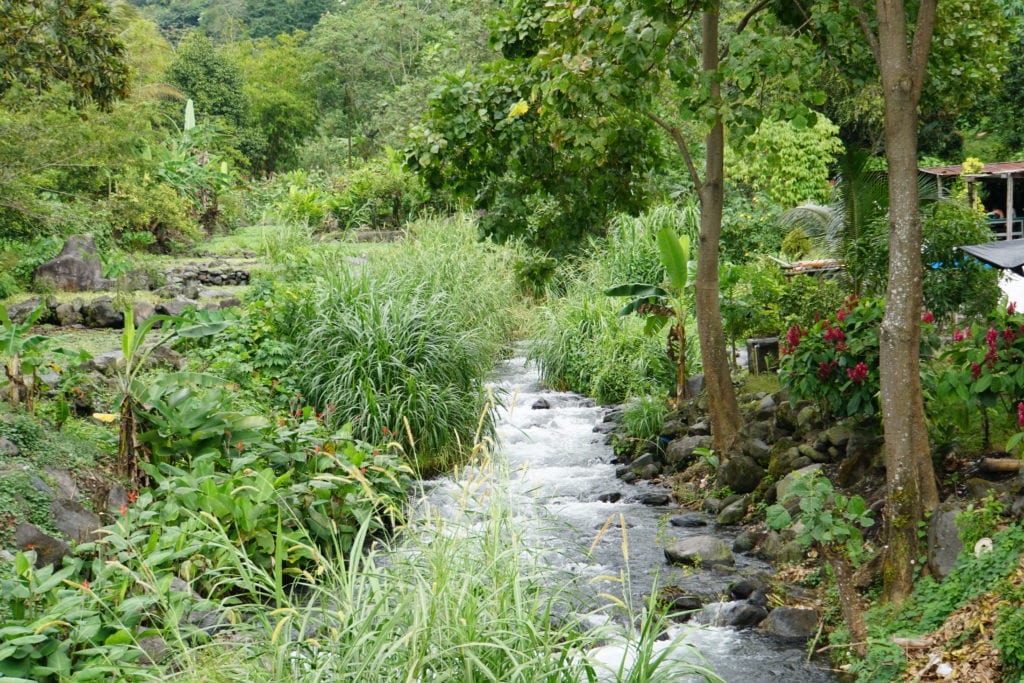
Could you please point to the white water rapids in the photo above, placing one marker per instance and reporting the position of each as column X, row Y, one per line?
column 558, row 467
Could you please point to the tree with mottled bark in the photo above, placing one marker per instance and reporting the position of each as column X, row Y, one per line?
column 902, row 57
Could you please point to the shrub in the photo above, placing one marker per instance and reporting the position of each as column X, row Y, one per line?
column 156, row 210
column 835, row 360
column 378, row 194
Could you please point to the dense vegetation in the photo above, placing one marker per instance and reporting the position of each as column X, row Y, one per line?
column 539, row 165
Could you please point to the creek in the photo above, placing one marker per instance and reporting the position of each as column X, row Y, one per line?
column 559, row 471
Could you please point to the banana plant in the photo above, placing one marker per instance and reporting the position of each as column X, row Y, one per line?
column 131, row 390
column 665, row 303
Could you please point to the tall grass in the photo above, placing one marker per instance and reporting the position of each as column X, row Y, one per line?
column 458, row 599
column 402, row 349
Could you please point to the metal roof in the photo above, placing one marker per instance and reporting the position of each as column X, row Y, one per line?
column 997, row 168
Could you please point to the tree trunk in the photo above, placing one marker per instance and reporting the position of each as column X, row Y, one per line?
column 722, row 406
column 909, row 473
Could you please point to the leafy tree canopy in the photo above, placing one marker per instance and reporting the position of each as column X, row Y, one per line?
column 43, row 42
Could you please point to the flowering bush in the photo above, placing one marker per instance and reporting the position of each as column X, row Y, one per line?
column 835, row 360
column 982, row 370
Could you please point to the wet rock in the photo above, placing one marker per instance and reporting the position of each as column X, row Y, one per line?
column 684, row 603
column 610, row 497
column 76, row 269
column 733, row 512
column 541, row 404
column 49, row 550
column 690, row 520
column 707, row 551
column 792, row 622
column 711, row 505
column 744, row 588
column 740, row 473
column 673, row 428
column 944, row 543
column 75, row 521
column 642, row 461
column 655, row 499
column 630, row 477
column 8, row 447
column 736, row 614
column 745, row 542
column 786, row 483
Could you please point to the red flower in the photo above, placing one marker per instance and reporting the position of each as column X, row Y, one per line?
column 86, row 584
column 928, row 317
column 1012, row 308
column 975, row 371
column 841, row 314
column 123, row 509
column 133, row 496
column 991, row 337
column 793, row 336
column 1020, row 413
column 29, row 546
column 834, row 334
column 857, row 373
column 240, row 446
column 386, row 430
column 958, row 336
column 841, row 347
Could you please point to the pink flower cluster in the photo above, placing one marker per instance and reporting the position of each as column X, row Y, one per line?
column 857, row 373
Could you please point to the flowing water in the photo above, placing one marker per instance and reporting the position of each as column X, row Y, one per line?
column 558, row 468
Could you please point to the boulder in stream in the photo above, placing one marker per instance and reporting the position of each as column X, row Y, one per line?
column 706, row 551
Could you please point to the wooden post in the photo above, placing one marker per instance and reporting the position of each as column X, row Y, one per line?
column 938, row 186
column 1009, row 206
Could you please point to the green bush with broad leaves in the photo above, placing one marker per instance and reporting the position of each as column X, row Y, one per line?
column 835, row 360
column 979, row 376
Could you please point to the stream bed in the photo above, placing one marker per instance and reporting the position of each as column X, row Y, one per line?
column 560, row 472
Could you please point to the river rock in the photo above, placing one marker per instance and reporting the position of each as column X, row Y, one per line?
column 781, row 548
column 230, row 302
column 49, row 550
column 839, row 436
column 684, row 603
column 142, row 311
column 733, row 512
column 744, row 588
column 673, row 428
column 655, row 498
column 541, row 404
column 680, row 452
column 19, row 312
column 690, row 520
column 735, row 614
column 944, row 543
column 176, row 306
column 700, row 428
column 105, row 363
column 792, row 622
column 706, row 551
column 76, row 269
column 74, row 520
column 711, row 505
column 67, row 487
column 745, row 541
column 740, row 473
column 610, row 497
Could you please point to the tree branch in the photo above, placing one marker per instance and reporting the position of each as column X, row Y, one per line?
column 921, row 45
column 684, row 149
column 869, row 35
column 743, row 24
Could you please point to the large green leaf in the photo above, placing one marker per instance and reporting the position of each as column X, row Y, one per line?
column 636, row 289
column 675, row 255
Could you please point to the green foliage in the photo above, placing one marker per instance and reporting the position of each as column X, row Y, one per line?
column 71, row 41
column 1009, row 630
column 980, row 372
column 749, row 228
column 835, row 360
column 953, row 283
column 210, row 79
column 932, row 602
column 796, row 244
column 630, row 252
column 787, row 164
column 644, row 417
column 377, row 194
column 150, row 215
column 534, row 272
column 272, row 18
column 826, row 517
column 980, row 520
